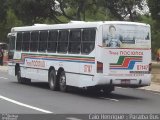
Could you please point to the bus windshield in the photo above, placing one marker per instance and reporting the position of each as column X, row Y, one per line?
column 126, row 36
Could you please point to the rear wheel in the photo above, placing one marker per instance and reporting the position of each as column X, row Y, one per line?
column 62, row 82
column 108, row 90
column 52, row 80
column 94, row 90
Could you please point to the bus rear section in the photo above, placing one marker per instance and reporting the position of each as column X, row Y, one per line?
column 125, row 67
column 124, row 58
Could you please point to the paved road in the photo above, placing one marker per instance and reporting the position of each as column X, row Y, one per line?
column 36, row 98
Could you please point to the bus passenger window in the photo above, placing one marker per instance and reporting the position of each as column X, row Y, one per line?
column 19, row 41
column 88, row 40
column 43, row 41
column 52, row 41
column 26, row 41
column 74, row 41
column 34, row 41
column 63, row 42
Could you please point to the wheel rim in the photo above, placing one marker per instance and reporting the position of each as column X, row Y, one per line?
column 63, row 81
column 19, row 76
column 51, row 80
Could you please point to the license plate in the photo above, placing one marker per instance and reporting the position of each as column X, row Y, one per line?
column 125, row 81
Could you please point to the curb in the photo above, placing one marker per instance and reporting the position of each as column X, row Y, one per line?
column 150, row 90
column 154, row 87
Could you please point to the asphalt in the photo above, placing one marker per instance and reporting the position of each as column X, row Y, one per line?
column 76, row 101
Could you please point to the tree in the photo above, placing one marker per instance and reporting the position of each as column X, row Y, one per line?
column 3, row 10
column 33, row 11
column 117, row 9
column 154, row 6
column 122, row 9
column 74, row 10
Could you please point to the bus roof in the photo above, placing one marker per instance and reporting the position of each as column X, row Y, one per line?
column 73, row 24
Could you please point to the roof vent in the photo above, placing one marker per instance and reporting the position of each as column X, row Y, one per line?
column 39, row 24
column 77, row 21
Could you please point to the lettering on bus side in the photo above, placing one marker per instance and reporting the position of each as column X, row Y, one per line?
column 143, row 67
column 126, row 53
column 35, row 63
column 113, row 53
column 131, row 53
column 87, row 68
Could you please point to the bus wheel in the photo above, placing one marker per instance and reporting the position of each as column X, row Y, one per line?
column 62, row 82
column 52, row 80
column 19, row 78
column 93, row 90
column 108, row 90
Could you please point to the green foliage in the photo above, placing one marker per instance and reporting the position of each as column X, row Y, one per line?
column 155, row 32
column 28, row 12
column 154, row 6
column 105, row 9
column 12, row 20
column 33, row 11
column 3, row 10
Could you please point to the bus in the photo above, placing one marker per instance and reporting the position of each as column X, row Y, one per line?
column 93, row 55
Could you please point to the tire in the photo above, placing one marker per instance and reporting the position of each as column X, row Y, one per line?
column 19, row 78
column 62, row 82
column 108, row 90
column 26, row 80
column 52, row 80
column 93, row 90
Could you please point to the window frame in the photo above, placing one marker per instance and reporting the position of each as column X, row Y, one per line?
column 63, row 42
column 25, row 41
column 35, row 41
column 52, row 41
column 17, row 41
column 88, row 41
column 73, row 41
column 44, row 40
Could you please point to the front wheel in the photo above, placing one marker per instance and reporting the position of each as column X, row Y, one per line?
column 62, row 82
column 19, row 78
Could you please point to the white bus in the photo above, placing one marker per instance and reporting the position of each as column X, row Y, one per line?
column 98, row 55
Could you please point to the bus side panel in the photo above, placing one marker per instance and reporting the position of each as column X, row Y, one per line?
column 86, row 74
column 35, row 74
